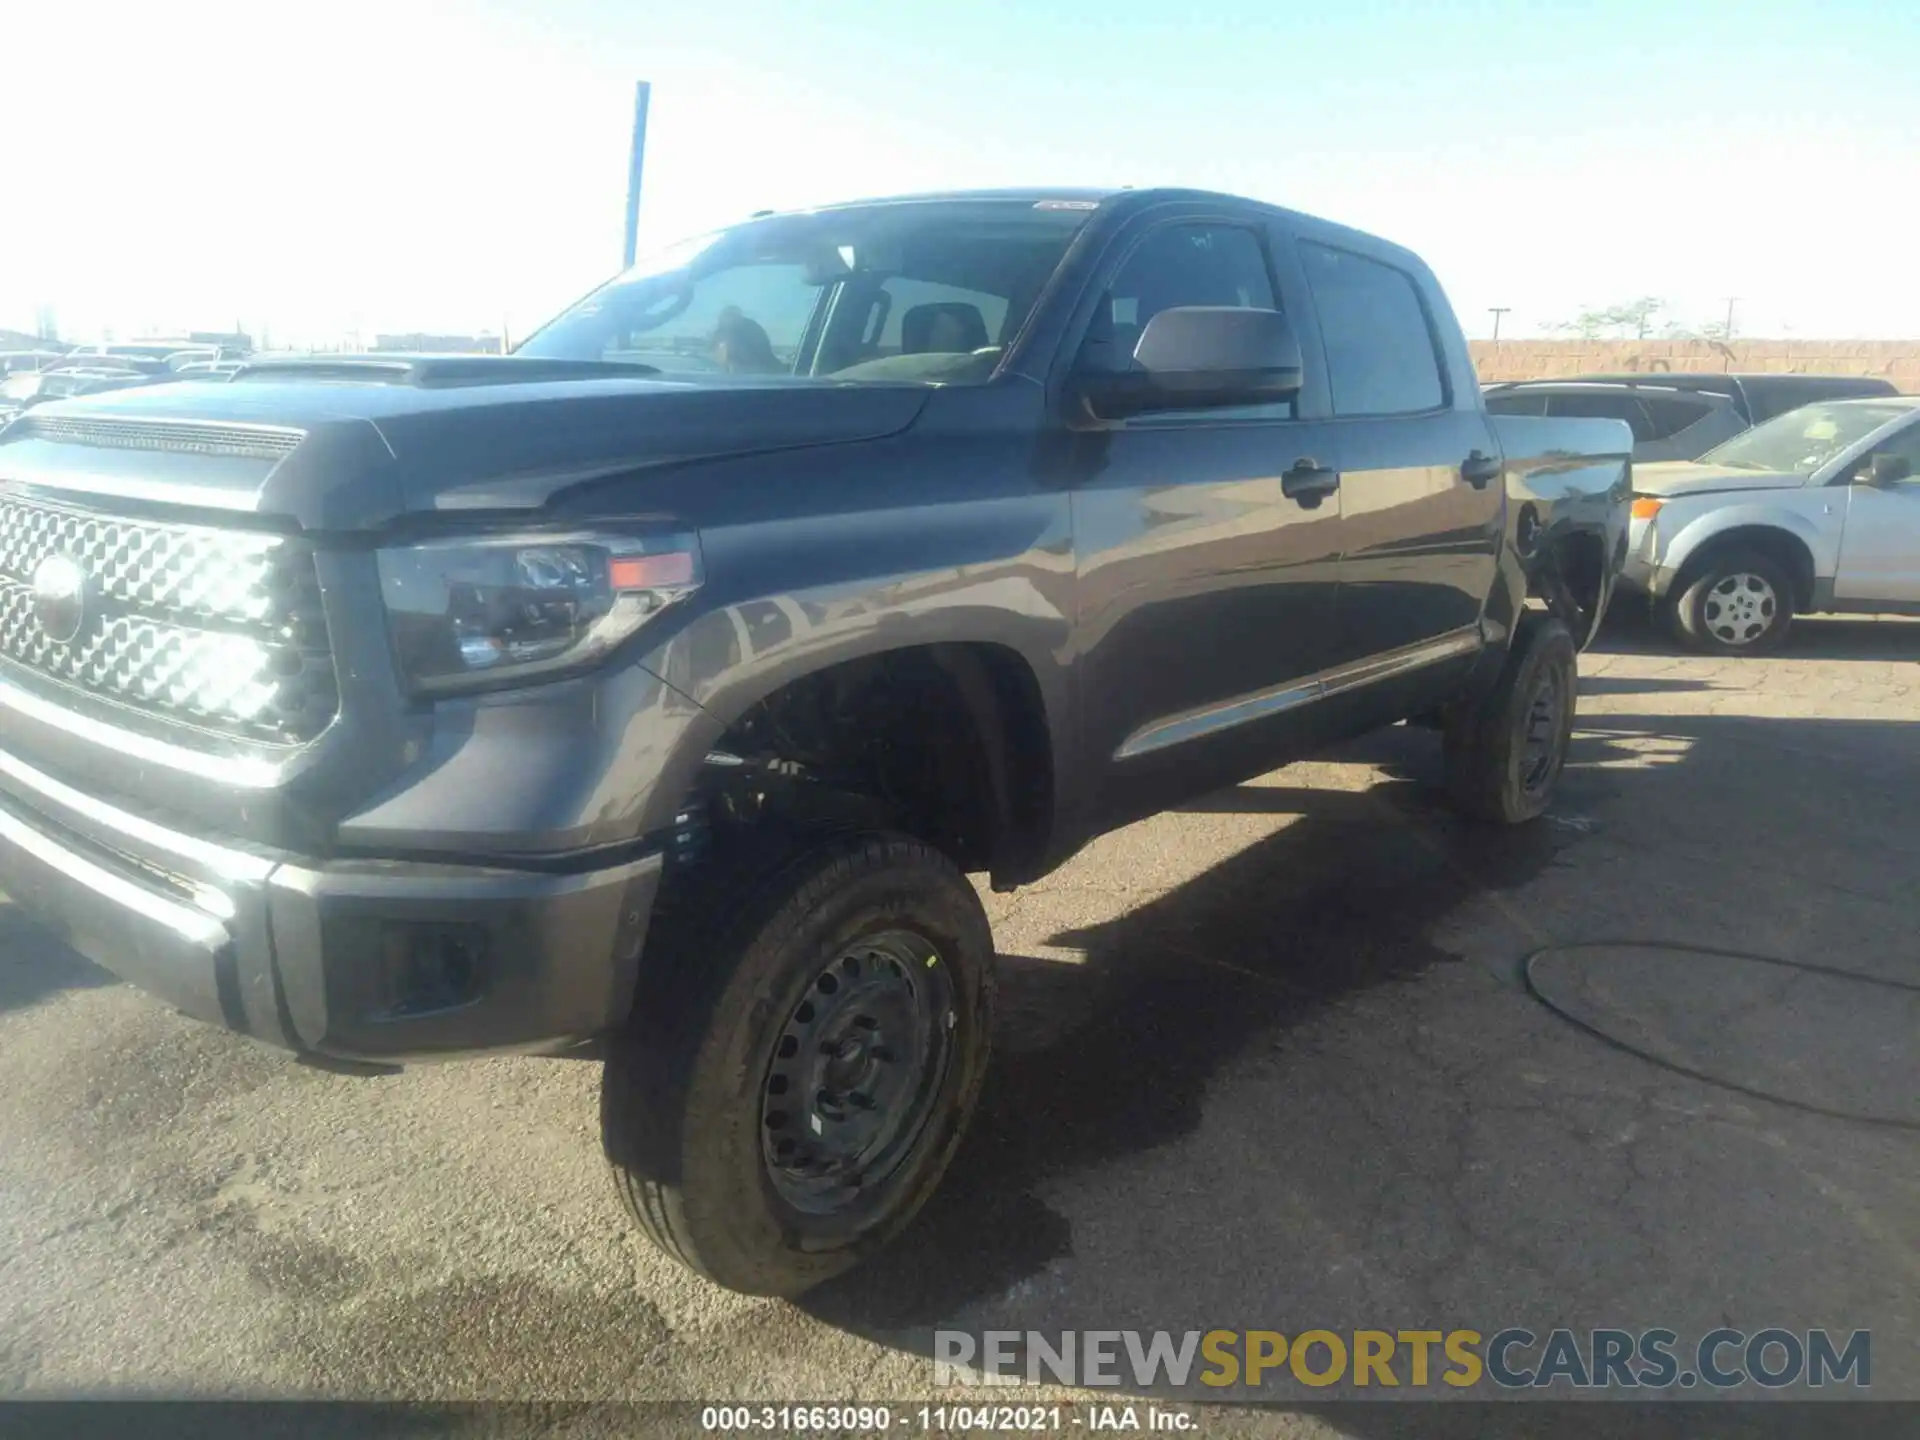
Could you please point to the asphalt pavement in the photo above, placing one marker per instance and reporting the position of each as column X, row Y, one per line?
column 1269, row 1061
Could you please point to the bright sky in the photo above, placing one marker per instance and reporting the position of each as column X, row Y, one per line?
column 321, row 168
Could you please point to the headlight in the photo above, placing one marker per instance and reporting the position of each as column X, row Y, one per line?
column 481, row 612
column 1645, row 507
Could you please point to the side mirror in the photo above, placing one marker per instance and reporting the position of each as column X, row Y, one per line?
column 1201, row 357
column 1887, row 470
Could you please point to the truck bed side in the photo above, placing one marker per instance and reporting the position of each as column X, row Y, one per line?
column 1568, row 486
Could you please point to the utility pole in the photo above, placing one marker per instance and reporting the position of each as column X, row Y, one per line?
column 1497, row 311
column 642, row 91
column 1729, row 333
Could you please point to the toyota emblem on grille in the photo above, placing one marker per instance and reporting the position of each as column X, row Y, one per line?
column 60, row 598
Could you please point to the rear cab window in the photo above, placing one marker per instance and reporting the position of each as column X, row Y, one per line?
column 923, row 316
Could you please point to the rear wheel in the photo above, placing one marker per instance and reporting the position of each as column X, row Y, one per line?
column 1740, row 603
column 803, row 1060
column 1505, row 754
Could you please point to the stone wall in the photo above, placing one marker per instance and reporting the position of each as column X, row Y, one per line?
column 1896, row 360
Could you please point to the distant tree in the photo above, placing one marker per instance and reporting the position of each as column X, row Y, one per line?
column 1634, row 320
column 1714, row 331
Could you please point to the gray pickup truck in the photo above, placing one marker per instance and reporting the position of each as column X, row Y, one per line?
column 655, row 689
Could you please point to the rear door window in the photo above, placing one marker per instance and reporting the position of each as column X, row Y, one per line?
column 1381, row 358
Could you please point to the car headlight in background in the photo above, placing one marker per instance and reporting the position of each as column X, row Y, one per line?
column 1645, row 507
column 485, row 611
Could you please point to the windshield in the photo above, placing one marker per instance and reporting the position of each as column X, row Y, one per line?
column 915, row 291
column 1803, row 440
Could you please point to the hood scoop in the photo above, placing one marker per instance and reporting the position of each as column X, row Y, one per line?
column 435, row 371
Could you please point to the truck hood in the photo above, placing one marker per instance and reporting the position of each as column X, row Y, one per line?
column 355, row 443
column 1672, row 478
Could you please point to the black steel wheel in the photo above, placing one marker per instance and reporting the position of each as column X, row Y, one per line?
column 1505, row 752
column 1543, row 742
column 857, row 1070
column 807, row 1045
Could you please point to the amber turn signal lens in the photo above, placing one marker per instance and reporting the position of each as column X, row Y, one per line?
column 644, row 572
column 1645, row 507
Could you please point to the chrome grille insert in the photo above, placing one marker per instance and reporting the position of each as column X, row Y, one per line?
column 220, row 628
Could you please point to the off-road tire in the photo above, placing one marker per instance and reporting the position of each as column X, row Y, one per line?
column 1493, row 772
column 732, row 956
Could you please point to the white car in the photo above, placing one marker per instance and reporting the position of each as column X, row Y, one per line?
column 1816, row 510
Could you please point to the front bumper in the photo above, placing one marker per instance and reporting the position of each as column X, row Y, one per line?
column 1643, row 571
column 378, row 961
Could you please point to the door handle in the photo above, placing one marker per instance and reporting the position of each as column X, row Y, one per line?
column 1478, row 469
column 1308, row 483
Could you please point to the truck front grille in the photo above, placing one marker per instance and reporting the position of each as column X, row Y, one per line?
column 219, row 628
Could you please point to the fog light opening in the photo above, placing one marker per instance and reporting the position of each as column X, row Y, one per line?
column 431, row 967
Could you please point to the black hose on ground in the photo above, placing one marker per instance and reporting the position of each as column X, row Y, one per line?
column 1890, row 1122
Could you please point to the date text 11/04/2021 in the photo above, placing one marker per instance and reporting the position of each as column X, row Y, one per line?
column 945, row 1418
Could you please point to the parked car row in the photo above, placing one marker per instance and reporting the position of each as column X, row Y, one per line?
column 16, row 361
column 30, row 377
column 1677, row 417
column 1757, row 497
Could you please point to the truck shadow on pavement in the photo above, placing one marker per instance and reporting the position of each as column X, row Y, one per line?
column 35, row 964
column 1818, row 637
column 1311, row 953
column 1833, row 638
column 1113, row 1056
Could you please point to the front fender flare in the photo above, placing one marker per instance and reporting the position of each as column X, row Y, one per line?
column 1697, row 534
column 724, row 673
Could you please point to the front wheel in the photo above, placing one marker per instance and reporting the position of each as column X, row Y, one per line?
column 1505, row 754
column 1741, row 603
column 803, row 1060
